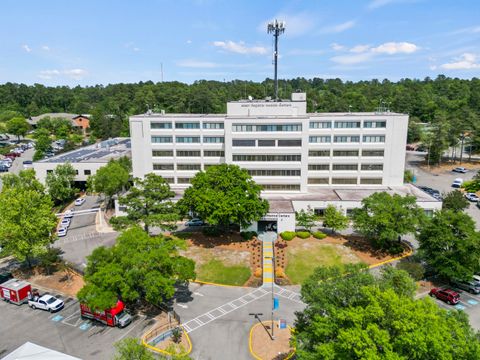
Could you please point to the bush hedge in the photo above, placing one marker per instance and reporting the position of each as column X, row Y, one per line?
column 247, row 235
column 471, row 185
column 319, row 235
column 303, row 234
column 288, row 235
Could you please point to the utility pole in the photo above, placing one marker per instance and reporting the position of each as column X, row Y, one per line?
column 277, row 28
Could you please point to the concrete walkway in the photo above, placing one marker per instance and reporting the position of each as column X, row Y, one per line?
column 267, row 239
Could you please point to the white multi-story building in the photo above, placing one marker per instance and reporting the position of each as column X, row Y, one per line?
column 298, row 157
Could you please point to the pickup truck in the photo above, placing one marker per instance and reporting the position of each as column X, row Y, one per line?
column 46, row 302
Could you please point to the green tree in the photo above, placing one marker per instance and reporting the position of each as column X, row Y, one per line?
column 26, row 219
column 148, row 202
column 60, row 183
column 25, row 179
column 334, row 219
column 18, row 126
column 408, row 176
column 352, row 315
column 132, row 349
column 109, row 180
column 450, row 244
column 454, row 200
column 306, row 219
column 384, row 218
column 222, row 195
column 137, row 268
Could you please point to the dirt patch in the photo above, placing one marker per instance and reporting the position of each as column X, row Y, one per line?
column 266, row 348
column 68, row 283
column 447, row 167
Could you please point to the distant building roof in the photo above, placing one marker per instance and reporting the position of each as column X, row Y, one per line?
column 33, row 120
column 31, row 351
column 97, row 153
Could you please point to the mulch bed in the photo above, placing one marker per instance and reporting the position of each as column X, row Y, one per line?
column 266, row 348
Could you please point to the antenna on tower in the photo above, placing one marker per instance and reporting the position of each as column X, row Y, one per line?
column 276, row 28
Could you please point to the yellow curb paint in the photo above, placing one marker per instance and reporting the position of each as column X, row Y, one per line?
column 215, row 284
column 409, row 253
column 153, row 348
column 255, row 356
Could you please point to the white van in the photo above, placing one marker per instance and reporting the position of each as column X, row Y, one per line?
column 457, row 183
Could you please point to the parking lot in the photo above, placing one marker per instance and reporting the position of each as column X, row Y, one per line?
column 64, row 331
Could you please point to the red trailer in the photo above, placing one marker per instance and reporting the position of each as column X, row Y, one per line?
column 15, row 291
column 116, row 316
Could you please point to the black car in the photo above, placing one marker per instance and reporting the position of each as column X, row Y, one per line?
column 3, row 168
column 4, row 276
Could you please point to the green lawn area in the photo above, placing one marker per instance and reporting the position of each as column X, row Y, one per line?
column 303, row 260
column 217, row 272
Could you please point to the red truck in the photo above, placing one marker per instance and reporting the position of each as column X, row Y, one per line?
column 116, row 316
column 15, row 291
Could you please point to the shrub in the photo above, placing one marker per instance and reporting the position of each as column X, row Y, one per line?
column 248, row 235
column 396, row 248
column 319, row 235
column 258, row 272
column 303, row 234
column 288, row 235
column 211, row 231
column 279, row 273
column 183, row 234
column 471, row 186
column 414, row 269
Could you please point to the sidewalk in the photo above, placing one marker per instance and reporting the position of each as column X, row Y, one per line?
column 267, row 250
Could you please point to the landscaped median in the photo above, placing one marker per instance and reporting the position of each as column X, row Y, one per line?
column 168, row 340
column 261, row 345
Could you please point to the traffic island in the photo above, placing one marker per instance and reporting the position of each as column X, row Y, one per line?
column 262, row 347
column 168, row 341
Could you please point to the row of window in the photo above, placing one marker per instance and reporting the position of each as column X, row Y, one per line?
column 344, row 181
column 257, row 172
column 266, row 127
column 267, row 158
column 347, row 124
column 346, row 139
column 337, row 167
column 188, row 153
column 179, row 167
column 328, row 153
column 85, row 172
column 186, row 125
column 266, row 143
column 186, row 139
column 295, row 187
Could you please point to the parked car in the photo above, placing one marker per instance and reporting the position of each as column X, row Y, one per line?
column 62, row 232
column 471, row 197
column 457, row 183
column 80, row 201
column 46, row 302
column 12, row 155
column 4, row 276
column 68, row 214
column 27, row 164
column 447, row 295
column 3, row 168
column 195, row 222
column 65, row 223
column 460, row 170
column 469, row 286
column 410, row 148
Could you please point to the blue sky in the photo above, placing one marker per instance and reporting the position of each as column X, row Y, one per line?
column 99, row 42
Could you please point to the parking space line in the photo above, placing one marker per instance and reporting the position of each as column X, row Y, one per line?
column 133, row 327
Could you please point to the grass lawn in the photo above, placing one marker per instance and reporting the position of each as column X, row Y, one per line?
column 302, row 260
column 216, row 271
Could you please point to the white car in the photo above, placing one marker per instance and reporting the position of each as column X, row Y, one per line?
column 62, row 232
column 472, row 197
column 79, row 201
column 68, row 214
column 46, row 302
column 457, row 183
column 460, row 170
column 65, row 223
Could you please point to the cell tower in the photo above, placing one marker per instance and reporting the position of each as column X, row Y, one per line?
column 276, row 28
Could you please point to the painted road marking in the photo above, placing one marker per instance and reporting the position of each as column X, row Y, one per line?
column 197, row 293
column 133, row 326
column 183, row 306
column 459, row 307
column 472, row 302
column 57, row 318
column 85, row 325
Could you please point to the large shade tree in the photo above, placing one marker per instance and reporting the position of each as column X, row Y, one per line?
column 17, row 126
column 223, row 195
column 60, row 183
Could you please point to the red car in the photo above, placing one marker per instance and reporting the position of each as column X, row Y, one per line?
column 447, row 295
column 12, row 155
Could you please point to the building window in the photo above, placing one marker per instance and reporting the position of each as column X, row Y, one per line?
column 243, row 142
column 344, row 181
column 345, row 153
column 188, row 166
column 347, row 124
column 169, row 180
column 281, row 186
column 265, row 143
column 346, row 139
column 161, row 125
column 162, row 139
column 343, row 167
column 372, row 167
column 293, row 142
column 320, row 124
column 349, row 212
column 318, row 167
column 319, row 212
column 274, row 172
column 187, row 125
column 267, row 158
column 319, row 153
column 162, row 153
column 188, row 153
column 206, row 166
column 213, row 139
column 49, row 171
column 372, row 153
column 374, row 138
column 212, row 125
column 428, row 212
column 162, row 166
column 76, row 172
column 213, row 153
column 87, row 172
column 319, row 139
column 318, row 181
column 371, row 181
column 187, row 139
column 183, row 180
column 266, row 127
column 375, row 124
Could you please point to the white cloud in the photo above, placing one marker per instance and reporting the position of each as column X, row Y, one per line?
column 45, row 48
column 190, row 63
column 466, row 61
column 467, row 30
column 338, row 28
column 240, row 47
column 352, row 59
column 392, row 48
column 337, row 47
column 360, row 48
column 76, row 74
column 26, row 48
column 296, row 24
column 189, row 41
column 379, row 3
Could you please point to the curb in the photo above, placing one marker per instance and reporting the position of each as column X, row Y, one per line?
column 409, row 253
column 255, row 356
column 166, row 352
column 223, row 285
